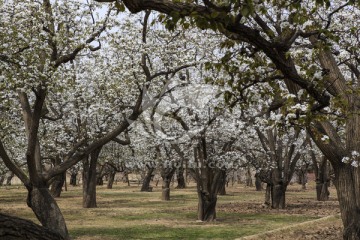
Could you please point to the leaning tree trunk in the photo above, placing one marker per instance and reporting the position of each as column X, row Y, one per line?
column 145, row 187
column 14, row 228
column 89, row 179
column 56, row 186
column 47, row 211
column 112, row 174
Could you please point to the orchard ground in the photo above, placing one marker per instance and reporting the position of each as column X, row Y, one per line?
column 126, row 213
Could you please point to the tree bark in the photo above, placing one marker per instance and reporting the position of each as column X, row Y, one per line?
column 278, row 196
column 89, row 179
column 47, row 211
column 14, row 228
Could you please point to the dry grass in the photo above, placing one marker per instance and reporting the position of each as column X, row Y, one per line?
column 126, row 213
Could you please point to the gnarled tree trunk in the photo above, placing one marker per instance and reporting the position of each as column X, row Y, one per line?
column 206, row 206
column 46, row 210
column 14, row 228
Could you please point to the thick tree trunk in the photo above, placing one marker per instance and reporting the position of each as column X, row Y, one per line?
column 47, row 211
column 89, row 179
column 206, row 207
column 180, row 178
column 145, row 187
column 110, row 183
column 347, row 185
column 56, row 186
column 13, row 228
column 278, row 196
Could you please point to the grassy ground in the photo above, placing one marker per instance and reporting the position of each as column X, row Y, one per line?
column 126, row 213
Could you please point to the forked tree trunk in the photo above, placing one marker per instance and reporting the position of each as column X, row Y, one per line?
column 47, row 211
column 347, row 184
column 110, row 183
column 56, row 186
column 14, row 228
column 206, row 206
column 145, row 187
column 89, row 179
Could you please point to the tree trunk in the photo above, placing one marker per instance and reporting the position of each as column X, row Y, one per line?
column 89, row 179
column 47, row 211
column 303, row 180
column 73, row 177
column 9, row 177
column 145, row 187
column 206, row 206
column 180, row 178
column 56, row 186
column 258, row 183
column 268, row 195
column 278, row 196
column 110, row 183
column 222, row 190
column 2, row 178
column 166, row 174
column 347, row 185
column 14, row 228
column 323, row 181
column 249, row 182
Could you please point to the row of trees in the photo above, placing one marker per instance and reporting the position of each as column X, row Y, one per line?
column 231, row 83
